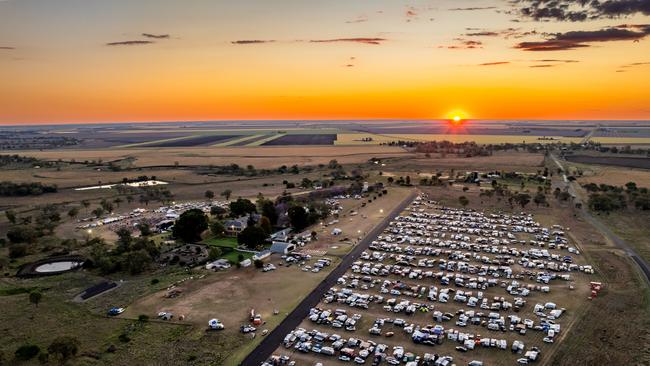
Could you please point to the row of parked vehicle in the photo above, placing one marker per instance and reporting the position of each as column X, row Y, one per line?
column 431, row 257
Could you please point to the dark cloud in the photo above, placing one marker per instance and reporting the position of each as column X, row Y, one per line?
column 579, row 10
column 494, row 63
column 635, row 64
column 364, row 40
column 253, row 41
column 550, row 45
column 474, row 8
column 483, row 34
column 349, row 65
column 603, row 35
column 129, row 43
column 543, row 65
column 155, row 36
column 505, row 33
column 558, row 61
column 580, row 39
column 7, row 48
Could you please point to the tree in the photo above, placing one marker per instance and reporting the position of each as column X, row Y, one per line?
column 214, row 253
column 190, row 225
column 129, row 198
column 85, row 204
column 22, row 234
column 63, row 348
column 124, row 240
column 226, row 194
column 265, row 224
column 267, row 208
column 463, row 200
column 539, row 199
column 522, row 199
column 117, row 201
column 252, row 237
column 145, row 229
column 298, row 217
column 98, row 212
column 73, row 212
column 35, row 297
column 209, row 194
column 217, row 211
column 242, row 207
column 465, row 189
column 217, row 228
column 390, row 180
column 137, row 261
column 11, row 216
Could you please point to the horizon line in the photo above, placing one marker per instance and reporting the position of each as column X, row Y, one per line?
column 28, row 124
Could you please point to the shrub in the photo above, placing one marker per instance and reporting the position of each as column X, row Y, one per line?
column 63, row 348
column 124, row 338
column 258, row 263
column 27, row 352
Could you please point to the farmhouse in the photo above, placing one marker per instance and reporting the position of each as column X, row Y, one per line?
column 235, row 226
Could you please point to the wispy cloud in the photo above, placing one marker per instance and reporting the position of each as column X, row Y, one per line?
column 364, row 40
column 542, row 65
column 359, row 19
column 505, row 33
column 130, row 43
column 155, row 36
column 556, row 60
column 252, row 41
column 7, row 48
column 494, row 63
column 474, row 8
column 463, row 44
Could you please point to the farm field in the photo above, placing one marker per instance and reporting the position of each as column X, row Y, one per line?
column 629, row 162
column 356, row 138
column 193, row 141
column 260, row 157
column 295, row 139
column 511, row 161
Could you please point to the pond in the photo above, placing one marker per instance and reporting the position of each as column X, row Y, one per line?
column 58, row 266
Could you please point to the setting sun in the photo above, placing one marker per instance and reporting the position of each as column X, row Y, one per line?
column 456, row 118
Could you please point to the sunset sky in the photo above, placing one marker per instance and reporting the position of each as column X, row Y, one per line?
column 162, row 60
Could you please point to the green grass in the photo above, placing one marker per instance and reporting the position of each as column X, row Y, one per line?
column 10, row 291
column 226, row 242
column 233, row 256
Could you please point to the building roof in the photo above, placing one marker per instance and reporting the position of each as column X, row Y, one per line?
column 280, row 246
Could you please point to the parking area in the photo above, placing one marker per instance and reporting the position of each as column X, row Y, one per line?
column 446, row 286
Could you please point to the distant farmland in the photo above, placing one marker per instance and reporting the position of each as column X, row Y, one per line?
column 324, row 139
column 193, row 141
column 625, row 161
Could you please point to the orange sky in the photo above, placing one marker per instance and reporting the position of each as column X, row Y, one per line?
column 206, row 60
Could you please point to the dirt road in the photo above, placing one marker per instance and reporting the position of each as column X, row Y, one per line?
column 573, row 188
